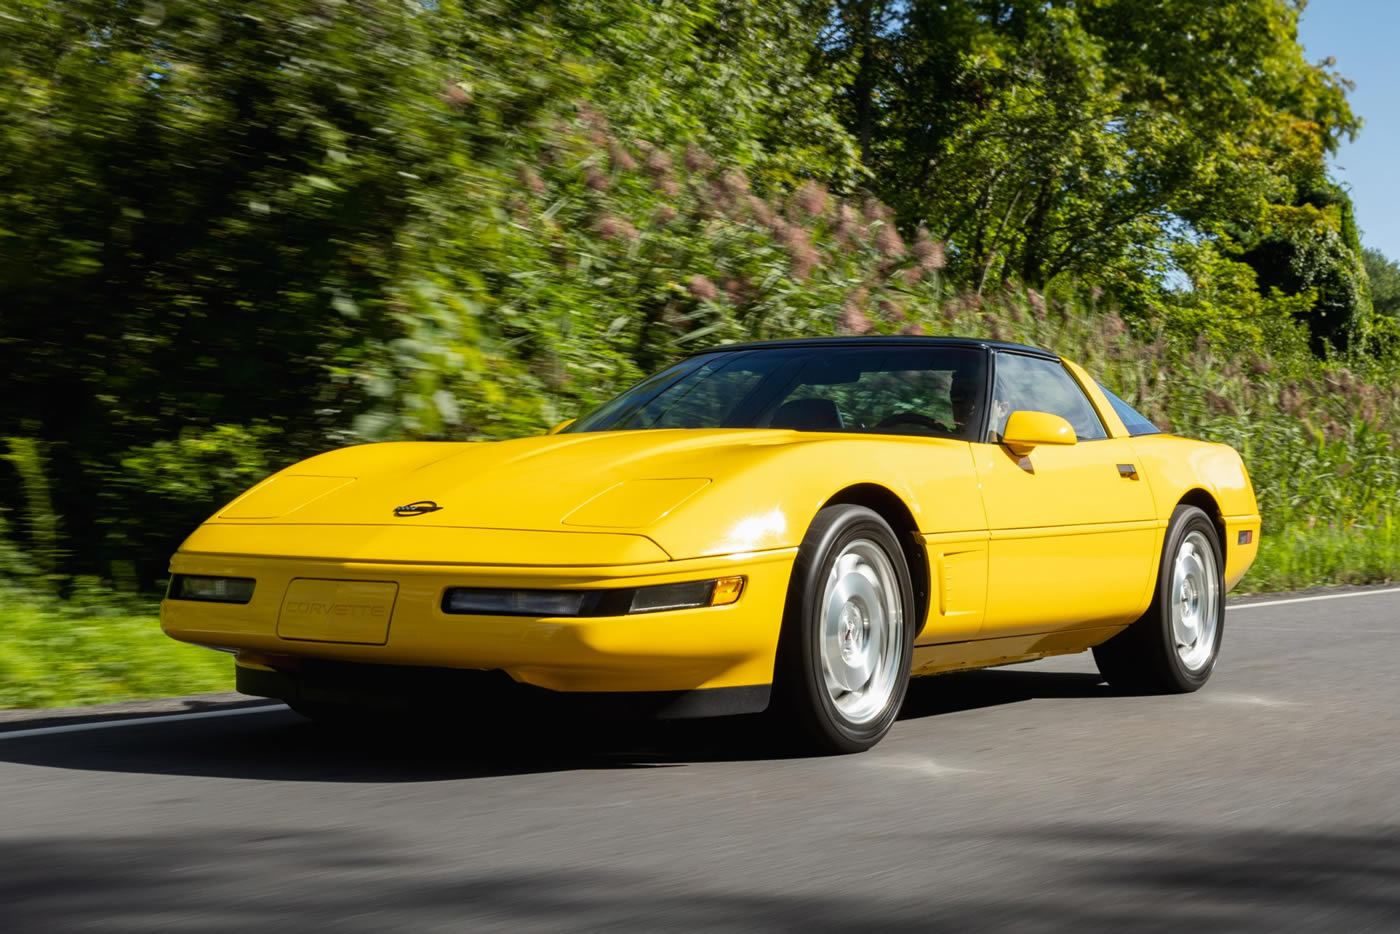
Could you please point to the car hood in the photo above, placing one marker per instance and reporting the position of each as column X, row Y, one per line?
column 591, row 498
column 604, row 480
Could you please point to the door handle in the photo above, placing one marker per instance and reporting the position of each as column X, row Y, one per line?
column 1127, row 471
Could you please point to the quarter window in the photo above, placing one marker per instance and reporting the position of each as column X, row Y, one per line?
column 1040, row 385
column 1133, row 420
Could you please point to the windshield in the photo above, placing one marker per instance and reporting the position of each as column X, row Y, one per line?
column 936, row 391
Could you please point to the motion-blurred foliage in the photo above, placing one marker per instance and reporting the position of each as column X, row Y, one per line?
column 236, row 233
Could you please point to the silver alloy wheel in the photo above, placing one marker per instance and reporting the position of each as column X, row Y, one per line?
column 862, row 637
column 1195, row 600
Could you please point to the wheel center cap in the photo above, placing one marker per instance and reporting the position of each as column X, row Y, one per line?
column 1187, row 625
column 853, row 629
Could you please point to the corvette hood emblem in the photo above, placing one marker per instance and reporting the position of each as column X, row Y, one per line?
column 416, row 509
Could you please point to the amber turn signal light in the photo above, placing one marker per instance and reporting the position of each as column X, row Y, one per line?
column 727, row 590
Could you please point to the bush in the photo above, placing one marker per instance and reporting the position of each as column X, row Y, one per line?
column 95, row 648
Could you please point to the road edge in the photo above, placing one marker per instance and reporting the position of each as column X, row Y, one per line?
column 29, row 718
column 21, row 718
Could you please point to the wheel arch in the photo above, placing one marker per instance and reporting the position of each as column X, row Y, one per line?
column 892, row 508
column 1207, row 503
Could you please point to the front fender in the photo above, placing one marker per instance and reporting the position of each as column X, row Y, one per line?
column 770, row 501
column 1179, row 467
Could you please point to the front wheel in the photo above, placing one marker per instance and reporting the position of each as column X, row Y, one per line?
column 1172, row 648
column 848, row 632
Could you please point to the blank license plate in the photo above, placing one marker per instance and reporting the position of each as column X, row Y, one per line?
column 337, row 611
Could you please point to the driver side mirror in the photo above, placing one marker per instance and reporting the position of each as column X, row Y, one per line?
column 1025, row 430
column 561, row 426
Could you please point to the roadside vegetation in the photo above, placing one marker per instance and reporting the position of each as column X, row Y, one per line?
column 95, row 647
column 236, row 234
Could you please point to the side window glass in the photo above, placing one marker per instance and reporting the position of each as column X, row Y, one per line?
column 1040, row 385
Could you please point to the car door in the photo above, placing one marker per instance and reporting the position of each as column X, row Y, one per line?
column 912, row 395
column 1072, row 527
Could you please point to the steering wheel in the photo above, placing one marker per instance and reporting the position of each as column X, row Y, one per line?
column 913, row 418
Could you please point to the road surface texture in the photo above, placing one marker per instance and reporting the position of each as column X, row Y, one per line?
column 1027, row 799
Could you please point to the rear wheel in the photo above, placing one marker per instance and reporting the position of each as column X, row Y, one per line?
column 1172, row 648
column 848, row 633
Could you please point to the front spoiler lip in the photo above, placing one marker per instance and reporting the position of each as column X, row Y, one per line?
column 447, row 690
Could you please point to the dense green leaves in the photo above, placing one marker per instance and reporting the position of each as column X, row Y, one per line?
column 236, row 233
column 1383, row 274
column 192, row 195
column 366, row 219
column 1090, row 138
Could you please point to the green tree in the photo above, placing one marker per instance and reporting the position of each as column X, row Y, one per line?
column 272, row 227
column 1312, row 245
column 196, row 199
column 1384, row 276
column 1085, row 137
column 234, row 233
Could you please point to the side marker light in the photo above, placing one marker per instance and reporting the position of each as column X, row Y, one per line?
column 727, row 591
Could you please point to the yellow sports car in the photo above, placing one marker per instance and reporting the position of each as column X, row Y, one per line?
column 792, row 526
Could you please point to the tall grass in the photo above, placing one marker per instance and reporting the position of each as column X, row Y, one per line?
column 92, row 648
column 1295, row 557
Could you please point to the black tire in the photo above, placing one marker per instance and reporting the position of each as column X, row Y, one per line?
column 803, row 707
column 1143, row 659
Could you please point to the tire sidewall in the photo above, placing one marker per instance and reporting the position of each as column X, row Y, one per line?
column 834, row 528
column 1185, row 520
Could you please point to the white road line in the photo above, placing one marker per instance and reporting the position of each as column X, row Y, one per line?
column 1234, row 607
column 1248, row 699
column 137, row 721
column 919, row 764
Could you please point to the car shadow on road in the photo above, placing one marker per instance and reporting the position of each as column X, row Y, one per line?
column 1049, row 877
column 992, row 687
column 278, row 745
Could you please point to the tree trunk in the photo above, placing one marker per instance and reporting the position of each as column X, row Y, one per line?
column 863, row 87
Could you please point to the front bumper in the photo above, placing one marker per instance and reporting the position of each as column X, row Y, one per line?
column 670, row 651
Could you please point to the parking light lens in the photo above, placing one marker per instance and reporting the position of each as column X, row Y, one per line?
column 485, row 601
column 490, row 602
column 672, row 597
column 211, row 589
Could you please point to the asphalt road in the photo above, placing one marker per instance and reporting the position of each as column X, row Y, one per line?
column 1027, row 799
